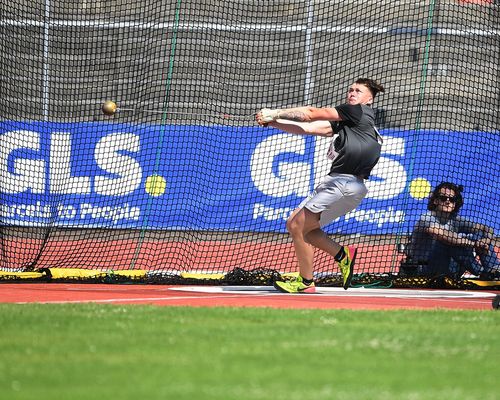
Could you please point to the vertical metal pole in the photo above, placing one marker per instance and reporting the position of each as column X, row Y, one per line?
column 45, row 77
column 308, row 84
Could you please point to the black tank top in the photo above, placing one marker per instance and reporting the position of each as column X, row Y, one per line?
column 356, row 141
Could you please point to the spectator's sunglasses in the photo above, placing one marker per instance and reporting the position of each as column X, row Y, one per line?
column 442, row 198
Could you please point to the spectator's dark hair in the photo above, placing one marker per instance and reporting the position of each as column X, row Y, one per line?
column 447, row 185
column 374, row 86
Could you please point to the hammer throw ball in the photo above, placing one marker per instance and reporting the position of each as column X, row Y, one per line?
column 109, row 107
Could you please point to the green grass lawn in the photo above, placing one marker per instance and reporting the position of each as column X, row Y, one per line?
column 146, row 352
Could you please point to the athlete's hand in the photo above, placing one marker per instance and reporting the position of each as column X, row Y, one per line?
column 266, row 115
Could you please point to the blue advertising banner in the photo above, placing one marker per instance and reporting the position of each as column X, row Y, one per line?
column 223, row 177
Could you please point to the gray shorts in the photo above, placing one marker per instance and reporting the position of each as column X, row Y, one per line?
column 335, row 196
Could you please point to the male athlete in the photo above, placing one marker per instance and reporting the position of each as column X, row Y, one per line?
column 354, row 151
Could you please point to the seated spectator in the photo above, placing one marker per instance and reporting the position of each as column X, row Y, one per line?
column 443, row 243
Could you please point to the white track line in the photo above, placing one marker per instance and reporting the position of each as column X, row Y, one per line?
column 234, row 292
column 334, row 291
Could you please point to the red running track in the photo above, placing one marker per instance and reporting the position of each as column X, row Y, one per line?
column 382, row 299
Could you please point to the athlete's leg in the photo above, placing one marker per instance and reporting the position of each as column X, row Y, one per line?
column 305, row 230
column 342, row 195
column 303, row 250
column 317, row 237
column 334, row 197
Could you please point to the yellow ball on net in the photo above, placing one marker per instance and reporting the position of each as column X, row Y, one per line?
column 109, row 107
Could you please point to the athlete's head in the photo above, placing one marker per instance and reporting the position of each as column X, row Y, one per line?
column 363, row 91
column 446, row 198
